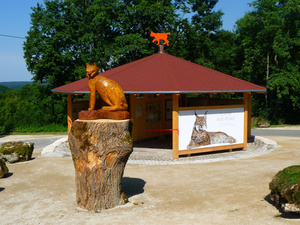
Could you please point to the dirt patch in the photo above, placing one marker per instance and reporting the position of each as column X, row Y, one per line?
column 42, row 191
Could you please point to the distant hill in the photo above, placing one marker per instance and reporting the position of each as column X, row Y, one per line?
column 15, row 84
column 4, row 89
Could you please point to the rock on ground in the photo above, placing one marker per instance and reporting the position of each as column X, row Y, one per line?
column 59, row 148
column 285, row 189
column 13, row 152
column 3, row 168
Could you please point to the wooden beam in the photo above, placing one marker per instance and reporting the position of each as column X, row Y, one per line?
column 249, row 115
column 210, row 149
column 69, row 116
column 211, row 107
column 246, row 101
column 132, row 103
column 175, row 132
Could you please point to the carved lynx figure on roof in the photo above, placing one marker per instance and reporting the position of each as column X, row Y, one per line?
column 160, row 36
column 110, row 92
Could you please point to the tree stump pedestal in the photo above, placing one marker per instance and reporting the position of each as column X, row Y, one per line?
column 100, row 150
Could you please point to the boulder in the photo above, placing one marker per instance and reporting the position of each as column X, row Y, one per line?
column 60, row 148
column 263, row 124
column 13, row 152
column 285, row 189
column 3, row 168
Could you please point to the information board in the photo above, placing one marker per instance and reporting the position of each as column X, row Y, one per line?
column 210, row 127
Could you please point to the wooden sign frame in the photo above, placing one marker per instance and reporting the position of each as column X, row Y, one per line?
column 176, row 129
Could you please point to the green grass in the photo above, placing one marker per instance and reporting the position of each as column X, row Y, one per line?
column 46, row 129
column 273, row 124
column 39, row 133
column 253, row 126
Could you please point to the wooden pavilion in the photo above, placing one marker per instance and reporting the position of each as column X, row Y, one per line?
column 157, row 87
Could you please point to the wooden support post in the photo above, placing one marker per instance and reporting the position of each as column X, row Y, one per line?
column 132, row 103
column 175, row 131
column 69, row 116
column 246, row 101
column 249, row 115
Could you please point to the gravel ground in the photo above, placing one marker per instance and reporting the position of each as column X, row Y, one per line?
column 42, row 191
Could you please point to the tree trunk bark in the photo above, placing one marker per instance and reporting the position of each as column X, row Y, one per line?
column 100, row 150
column 267, row 79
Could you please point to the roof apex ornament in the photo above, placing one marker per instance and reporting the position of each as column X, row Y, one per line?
column 160, row 36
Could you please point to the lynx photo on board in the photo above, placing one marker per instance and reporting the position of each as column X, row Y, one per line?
column 210, row 127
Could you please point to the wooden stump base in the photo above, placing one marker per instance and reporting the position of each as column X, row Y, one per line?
column 100, row 150
column 102, row 114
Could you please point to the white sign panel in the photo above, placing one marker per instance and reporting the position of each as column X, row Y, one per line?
column 211, row 127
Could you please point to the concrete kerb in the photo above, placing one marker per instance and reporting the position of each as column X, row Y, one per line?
column 154, row 156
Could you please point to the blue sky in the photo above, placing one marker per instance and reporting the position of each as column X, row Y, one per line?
column 15, row 21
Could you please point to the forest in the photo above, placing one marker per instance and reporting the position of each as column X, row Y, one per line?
column 64, row 35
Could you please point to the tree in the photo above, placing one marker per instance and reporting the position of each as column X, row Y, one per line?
column 53, row 49
column 4, row 89
column 269, row 40
column 136, row 20
column 205, row 18
column 224, row 52
column 196, row 38
column 66, row 34
column 31, row 108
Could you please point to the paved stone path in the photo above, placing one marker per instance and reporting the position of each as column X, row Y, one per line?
column 155, row 152
column 161, row 154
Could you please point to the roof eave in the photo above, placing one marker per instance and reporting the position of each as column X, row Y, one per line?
column 192, row 92
column 70, row 92
column 168, row 92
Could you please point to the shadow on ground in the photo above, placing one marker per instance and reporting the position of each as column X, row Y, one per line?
column 283, row 214
column 165, row 143
column 3, row 135
column 7, row 175
column 154, row 143
column 132, row 186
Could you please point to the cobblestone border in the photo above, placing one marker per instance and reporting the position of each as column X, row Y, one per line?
column 146, row 156
column 163, row 156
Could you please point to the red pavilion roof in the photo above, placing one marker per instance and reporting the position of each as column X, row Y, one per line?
column 164, row 73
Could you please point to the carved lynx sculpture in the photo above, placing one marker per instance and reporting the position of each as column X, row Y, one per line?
column 201, row 137
column 110, row 92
